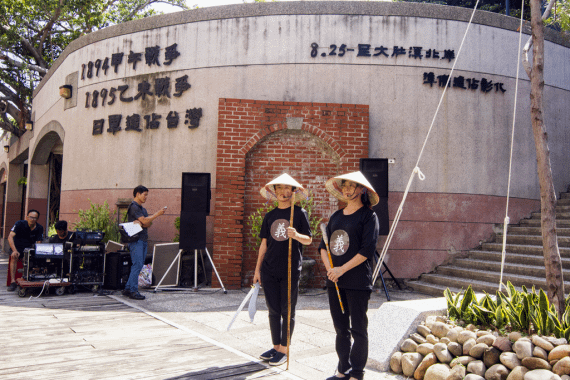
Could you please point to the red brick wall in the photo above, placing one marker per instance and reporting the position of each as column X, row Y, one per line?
column 257, row 142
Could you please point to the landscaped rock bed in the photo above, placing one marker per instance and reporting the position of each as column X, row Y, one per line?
column 442, row 350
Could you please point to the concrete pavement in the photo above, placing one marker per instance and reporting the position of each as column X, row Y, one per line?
column 207, row 312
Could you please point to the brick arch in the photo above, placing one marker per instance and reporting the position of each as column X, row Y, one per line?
column 305, row 127
column 307, row 158
column 242, row 125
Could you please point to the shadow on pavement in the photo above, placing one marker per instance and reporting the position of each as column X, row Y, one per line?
column 234, row 372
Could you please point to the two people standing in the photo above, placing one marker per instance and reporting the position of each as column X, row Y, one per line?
column 353, row 233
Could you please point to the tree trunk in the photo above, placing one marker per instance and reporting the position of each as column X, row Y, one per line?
column 552, row 262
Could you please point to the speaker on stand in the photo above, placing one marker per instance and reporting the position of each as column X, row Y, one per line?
column 196, row 195
column 376, row 172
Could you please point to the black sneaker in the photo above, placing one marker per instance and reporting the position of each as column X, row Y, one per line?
column 268, row 355
column 335, row 377
column 136, row 296
column 13, row 286
column 278, row 359
column 127, row 293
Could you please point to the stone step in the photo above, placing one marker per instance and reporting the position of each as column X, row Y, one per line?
column 533, row 231
column 559, row 215
column 479, row 285
column 453, row 271
column 560, row 223
column 563, row 241
column 510, row 267
column 458, row 283
column 522, row 249
column 429, row 288
column 514, row 258
column 524, row 261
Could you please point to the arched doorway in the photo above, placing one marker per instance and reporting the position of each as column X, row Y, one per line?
column 44, row 180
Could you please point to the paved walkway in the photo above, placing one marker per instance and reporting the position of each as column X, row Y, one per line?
column 171, row 334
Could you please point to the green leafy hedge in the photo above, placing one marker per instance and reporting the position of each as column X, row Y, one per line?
column 515, row 311
column 99, row 218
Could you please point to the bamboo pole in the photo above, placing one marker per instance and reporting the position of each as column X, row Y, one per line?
column 289, row 281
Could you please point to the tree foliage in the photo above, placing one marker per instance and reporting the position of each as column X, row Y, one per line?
column 560, row 16
column 33, row 33
column 495, row 6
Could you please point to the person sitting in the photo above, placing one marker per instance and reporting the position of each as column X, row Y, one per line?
column 24, row 234
column 62, row 234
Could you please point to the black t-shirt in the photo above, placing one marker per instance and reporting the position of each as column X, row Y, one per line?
column 274, row 229
column 56, row 239
column 25, row 237
column 349, row 235
column 135, row 212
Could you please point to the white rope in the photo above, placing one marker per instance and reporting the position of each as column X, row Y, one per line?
column 506, row 221
column 417, row 170
column 46, row 282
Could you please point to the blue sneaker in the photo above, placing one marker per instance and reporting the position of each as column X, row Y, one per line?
column 278, row 359
column 268, row 355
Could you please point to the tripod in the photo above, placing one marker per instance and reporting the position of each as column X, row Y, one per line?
column 195, row 269
column 381, row 272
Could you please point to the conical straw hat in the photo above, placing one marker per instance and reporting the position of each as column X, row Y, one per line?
column 334, row 184
column 268, row 191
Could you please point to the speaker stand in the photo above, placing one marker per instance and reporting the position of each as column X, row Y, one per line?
column 213, row 267
column 381, row 273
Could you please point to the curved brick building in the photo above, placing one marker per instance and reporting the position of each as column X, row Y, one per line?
column 245, row 92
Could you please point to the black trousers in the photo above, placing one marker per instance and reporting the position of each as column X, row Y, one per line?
column 353, row 323
column 275, row 289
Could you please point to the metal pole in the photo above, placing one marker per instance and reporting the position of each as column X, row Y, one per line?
column 217, row 275
column 195, row 269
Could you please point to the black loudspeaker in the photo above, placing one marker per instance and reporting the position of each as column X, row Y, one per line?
column 196, row 192
column 192, row 230
column 376, row 172
column 117, row 270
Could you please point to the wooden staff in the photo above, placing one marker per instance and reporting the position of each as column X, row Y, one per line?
column 289, row 282
column 326, row 239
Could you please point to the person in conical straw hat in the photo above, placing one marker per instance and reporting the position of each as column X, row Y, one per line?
column 352, row 233
column 272, row 261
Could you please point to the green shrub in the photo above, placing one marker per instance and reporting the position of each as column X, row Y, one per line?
column 177, row 226
column 99, row 218
column 255, row 220
column 515, row 311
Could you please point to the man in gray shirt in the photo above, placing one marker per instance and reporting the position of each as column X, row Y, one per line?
column 138, row 215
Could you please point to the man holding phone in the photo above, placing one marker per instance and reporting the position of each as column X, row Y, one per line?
column 138, row 249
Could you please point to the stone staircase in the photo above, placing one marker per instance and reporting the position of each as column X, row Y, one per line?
column 524, row 261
